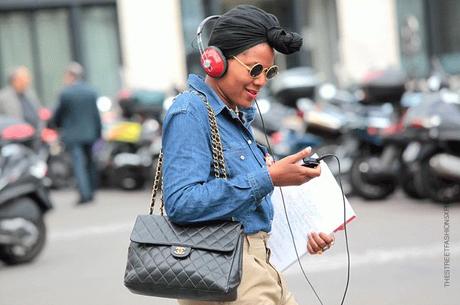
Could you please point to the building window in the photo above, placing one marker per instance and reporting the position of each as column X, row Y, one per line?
column 53, row 51
column 100, row 48
column 39, row 41
column 192, row 14
column 444, row 19
column 46, row 39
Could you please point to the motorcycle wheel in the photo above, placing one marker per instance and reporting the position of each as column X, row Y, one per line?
column 438, row 189
column 129, row 178
column 60, row 172
column 27, row 210
column 409, row 185
column 365, row 189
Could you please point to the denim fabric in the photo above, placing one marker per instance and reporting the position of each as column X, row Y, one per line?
column 84, row 170
column 191, row 192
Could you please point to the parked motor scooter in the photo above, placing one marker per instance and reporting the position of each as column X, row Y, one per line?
column 347, row 127
column 372, row 172
column 24, row 197
column 434, row 154
column 132, row 142
column 128, row 154
column 397, row 163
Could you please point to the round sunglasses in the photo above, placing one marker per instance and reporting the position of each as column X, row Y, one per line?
column 257, row 69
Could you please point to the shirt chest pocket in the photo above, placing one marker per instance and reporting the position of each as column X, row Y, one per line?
column 240, row 160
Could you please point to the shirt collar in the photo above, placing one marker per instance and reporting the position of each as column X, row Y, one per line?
column 249, row 114
column 197, row 83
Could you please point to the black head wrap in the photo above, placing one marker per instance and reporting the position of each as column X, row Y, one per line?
column 246, row 26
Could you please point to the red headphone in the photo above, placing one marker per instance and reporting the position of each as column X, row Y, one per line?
column 212, row 60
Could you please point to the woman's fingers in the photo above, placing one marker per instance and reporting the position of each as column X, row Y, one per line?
column 310, row 173
column 298, row 156
column 318, row 243
column 327, row 238
column 312, row 241
column 289, row 170
column 310, row 249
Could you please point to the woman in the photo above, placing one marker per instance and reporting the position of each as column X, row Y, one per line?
column 246, row 36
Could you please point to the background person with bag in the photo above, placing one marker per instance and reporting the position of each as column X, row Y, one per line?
column 239, row 63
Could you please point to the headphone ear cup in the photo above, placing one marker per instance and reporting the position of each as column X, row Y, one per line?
column 213, row 62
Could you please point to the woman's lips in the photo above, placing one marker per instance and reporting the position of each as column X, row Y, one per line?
column 252, row 93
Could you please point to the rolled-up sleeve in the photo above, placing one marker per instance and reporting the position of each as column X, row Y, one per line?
column 261, row 183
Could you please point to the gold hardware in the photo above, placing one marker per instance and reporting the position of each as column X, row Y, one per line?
column 179, row 250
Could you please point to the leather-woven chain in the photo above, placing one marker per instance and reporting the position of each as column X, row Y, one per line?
column 217, row 157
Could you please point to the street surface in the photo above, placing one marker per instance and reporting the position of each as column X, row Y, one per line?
column 396, row 247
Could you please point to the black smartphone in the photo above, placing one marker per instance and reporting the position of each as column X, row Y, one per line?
column 310, row 162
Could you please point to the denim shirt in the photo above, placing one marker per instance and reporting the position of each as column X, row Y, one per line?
column 191, row 192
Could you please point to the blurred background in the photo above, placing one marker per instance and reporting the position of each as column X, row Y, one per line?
column 377, row 83
column 124, row 43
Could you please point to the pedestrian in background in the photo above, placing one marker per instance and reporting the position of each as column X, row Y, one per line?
column 77, row 118
column 17, row 100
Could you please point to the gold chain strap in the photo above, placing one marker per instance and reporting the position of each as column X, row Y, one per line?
column 218, row 159
column 216, row 143
column 156, row 185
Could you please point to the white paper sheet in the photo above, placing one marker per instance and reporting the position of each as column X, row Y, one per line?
column 315, row 206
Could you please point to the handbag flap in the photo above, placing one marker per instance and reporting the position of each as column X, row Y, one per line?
column 215, row 236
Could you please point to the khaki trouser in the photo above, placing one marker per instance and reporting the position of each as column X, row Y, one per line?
column 260, row 283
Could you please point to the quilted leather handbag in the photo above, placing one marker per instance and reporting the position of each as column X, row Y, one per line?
column 199, row 262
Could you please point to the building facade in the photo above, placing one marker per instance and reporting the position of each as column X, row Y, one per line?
column 46, row 35
column 151, row 43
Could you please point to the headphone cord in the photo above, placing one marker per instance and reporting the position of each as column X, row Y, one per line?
column 289, row 225
column 344, row 222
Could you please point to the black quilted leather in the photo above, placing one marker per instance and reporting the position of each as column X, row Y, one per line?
column 210, row 271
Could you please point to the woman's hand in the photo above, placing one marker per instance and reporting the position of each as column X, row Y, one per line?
column 288, row 171
column 318, row 243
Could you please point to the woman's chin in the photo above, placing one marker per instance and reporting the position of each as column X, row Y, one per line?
column 245, row 101
column 245, row 104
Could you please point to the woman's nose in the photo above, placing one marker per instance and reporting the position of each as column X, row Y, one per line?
column 261, row 80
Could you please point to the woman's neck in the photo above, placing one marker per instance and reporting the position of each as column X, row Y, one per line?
column 213, row 84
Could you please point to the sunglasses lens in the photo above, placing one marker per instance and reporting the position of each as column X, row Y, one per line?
column 256, row 70
column 272, row 72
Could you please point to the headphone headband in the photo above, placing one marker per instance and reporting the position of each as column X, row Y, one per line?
column 199, row 30
column 212, row 60
column 203, row 23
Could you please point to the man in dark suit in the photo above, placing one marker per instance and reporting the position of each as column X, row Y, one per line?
column 79, row 123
